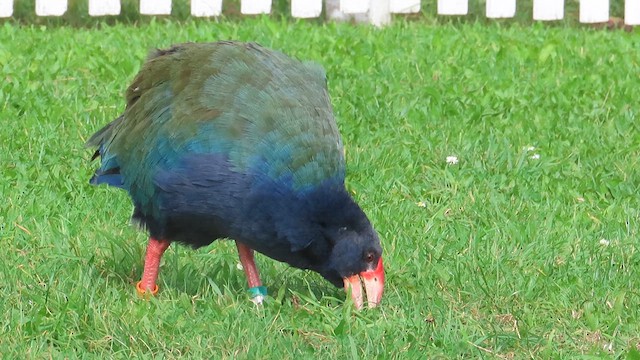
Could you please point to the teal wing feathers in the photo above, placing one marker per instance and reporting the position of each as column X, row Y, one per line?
column 268, row 114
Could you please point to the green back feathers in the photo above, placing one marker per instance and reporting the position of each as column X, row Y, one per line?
column 265, row 111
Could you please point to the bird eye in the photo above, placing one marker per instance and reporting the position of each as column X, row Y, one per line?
column 369, row 257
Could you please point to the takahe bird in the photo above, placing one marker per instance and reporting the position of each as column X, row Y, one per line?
column 233, row 140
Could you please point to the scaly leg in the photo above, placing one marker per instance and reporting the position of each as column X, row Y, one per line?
column 155, row 249
column 257, row 292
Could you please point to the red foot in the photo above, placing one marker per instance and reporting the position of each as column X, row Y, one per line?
column 148, row 285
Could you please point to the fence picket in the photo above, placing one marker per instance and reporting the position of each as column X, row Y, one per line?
column 547, row 10
column 155, row 7
column 202, row 8
column 104, row 7
column 306, row 8
column 377, row 12
column 255, row 7
column 594, row 11
column 632, row 12
column 6, row 8
column 51, row 7
column 453, row 7
column 501, row 8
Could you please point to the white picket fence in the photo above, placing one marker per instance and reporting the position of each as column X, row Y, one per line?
column 377, row 11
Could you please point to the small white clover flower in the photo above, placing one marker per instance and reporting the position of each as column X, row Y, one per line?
column 452, row 160
column 605, row 242
column 421, row 204
column 535, row 157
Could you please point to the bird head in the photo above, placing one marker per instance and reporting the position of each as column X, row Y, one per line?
column 325, row 231
column 356, row 260
column 346, row 247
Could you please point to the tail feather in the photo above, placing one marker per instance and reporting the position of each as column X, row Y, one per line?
column 109, row 170
column 111, row 180
column 103, row 135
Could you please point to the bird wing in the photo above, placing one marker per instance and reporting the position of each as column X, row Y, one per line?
column 268, row 114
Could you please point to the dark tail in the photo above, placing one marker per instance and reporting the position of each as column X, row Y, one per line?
column 101, row 136
column 109, row 171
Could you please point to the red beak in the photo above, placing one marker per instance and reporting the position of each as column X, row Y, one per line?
column 373, row 283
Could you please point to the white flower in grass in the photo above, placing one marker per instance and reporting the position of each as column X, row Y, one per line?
column 421, row 204
column 605, row 242
column 452, row 160
column 535, row 156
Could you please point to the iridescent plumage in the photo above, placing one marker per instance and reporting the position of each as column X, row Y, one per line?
column 234, row 140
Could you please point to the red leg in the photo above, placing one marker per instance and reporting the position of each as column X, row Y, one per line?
column 155, row 249
column 249, row 265
column 256, row 290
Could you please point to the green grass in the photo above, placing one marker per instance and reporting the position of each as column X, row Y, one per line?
column 504, row 259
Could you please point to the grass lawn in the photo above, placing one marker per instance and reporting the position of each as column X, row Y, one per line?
column 526, row 248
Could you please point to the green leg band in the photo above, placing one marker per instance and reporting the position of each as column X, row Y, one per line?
column 257, row 291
